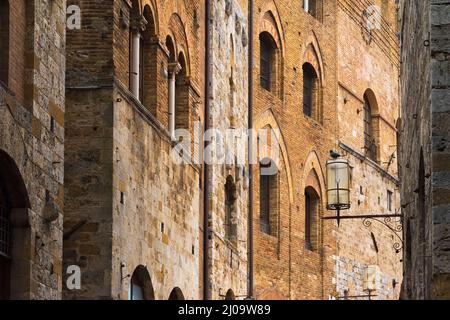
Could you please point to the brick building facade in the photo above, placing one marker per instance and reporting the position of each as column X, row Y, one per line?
column 424, row 148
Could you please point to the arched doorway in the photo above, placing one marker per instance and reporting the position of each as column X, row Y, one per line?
column 141, row 287
column 230, row 295
column 13, row 196
column 176, row 294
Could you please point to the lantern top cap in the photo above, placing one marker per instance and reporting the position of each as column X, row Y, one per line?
column 334, row 154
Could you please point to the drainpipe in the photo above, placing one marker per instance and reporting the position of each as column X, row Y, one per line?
column 250, row 153
column 206, row 231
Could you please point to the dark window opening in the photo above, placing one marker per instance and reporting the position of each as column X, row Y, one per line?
column 267, row 61
column 269, row 194
column 312, row 205
column 311, row 88
column 369, row 140
column 230, row 210
column 389, row 200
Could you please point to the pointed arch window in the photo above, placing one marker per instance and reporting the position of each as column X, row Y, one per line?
column 370, row 143
column 311, row 93
column 267, row 61
column 312, row 207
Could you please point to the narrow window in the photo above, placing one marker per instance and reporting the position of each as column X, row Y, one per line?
column 230, row 209
column 389, row 200
column 149, row 65
column 4, row 41
column 312, row 202
column 369, row 141
column 268, row 201
column 265, row 204
column 310, row 92
column 267, row 61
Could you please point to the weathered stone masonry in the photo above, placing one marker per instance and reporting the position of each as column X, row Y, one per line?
column 32, row 147
column 133, row 208
column 424, row 149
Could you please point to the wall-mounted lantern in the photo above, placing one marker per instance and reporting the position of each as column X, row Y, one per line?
column 338, row 198
column 338, row 184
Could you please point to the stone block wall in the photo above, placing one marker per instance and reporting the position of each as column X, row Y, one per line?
column 32, row 145
column 424, row 148
column 228, row 110
column 125, row 211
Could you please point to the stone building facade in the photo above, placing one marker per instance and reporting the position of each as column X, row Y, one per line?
column 368, row 111
column 227, row 175
column 132, row 213
column 424, row 148
column 32, row 81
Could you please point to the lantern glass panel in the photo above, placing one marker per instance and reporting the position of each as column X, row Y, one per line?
column 338, row 193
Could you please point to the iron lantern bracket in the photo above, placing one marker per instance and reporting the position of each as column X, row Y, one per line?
column 383, row 219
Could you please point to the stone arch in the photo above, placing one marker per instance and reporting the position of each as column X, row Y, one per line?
column 313, row 55
column 15, row 187
column 178, row 31
column 153, row 9
column 371, row 97
column 312, row 164
column 176, row 294
column 371, row 125
column 267, row 118
column 136, row 7
column 141, row 287
column 270, row 22
column 15, row 247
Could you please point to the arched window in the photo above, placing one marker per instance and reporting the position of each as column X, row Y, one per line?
column 149, row 63
column 4, row 41
column 312, row 207
column 268, row 61
column 269, row 195
column 182, row 114
column 176, row 294
column 5, row 243
column 311, row 88
column 137, row 26
column 141, row 285
column 370, row 144
column 230, row 209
